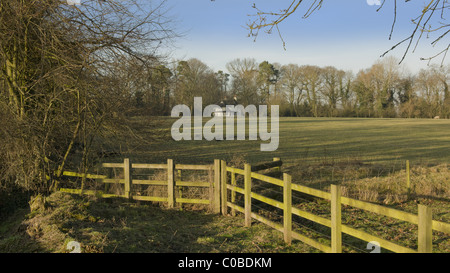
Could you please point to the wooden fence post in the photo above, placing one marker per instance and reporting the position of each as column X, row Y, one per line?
column 223, row 182
column 408, row 181
column 127, row 177
column 216, row 199
column 247, row 195
column 287, row 210
column 425, row 230
column 180, row 188
column 170, row 184
column 336, row 218
column 233, row 193
column 277, row 168
column 211, row 188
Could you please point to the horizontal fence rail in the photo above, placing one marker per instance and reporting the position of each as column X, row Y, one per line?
column 223, row 188
column 173, row 181
column 424, row 219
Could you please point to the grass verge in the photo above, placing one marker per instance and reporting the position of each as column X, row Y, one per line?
column 114, row 226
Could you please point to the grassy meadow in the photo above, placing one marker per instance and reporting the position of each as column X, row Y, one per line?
column 381, row 141
column 365, row 156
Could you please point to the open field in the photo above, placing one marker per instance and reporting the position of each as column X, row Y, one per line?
column 381, row 141
column 365, row 156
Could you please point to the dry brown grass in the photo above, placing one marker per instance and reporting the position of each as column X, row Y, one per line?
column 376, row 183
column 426, row 182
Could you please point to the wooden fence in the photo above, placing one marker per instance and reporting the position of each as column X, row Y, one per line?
column 173, row 174
column 424, row 218
column 222, row 199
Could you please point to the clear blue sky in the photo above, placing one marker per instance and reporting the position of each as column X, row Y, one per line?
column 347, row 34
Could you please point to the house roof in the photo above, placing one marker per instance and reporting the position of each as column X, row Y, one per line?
column 224, row 102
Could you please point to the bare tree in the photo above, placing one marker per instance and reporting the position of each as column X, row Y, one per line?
column 432, row 85
column 58, row 86
column 195, row 78
column 245, row 79
column 429, row 22
column 292, row 83
column 312, row 84
column 332, row 83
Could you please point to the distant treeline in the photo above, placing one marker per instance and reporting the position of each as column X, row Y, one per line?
column 383, row 90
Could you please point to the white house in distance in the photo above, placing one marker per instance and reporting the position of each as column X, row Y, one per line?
column 226, row 108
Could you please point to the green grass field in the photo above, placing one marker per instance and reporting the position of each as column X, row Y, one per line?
column 365, row 156
column 381, row 141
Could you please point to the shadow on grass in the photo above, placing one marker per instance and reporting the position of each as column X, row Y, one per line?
column 106, row 225
column 13, row 237
column 115, row 226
